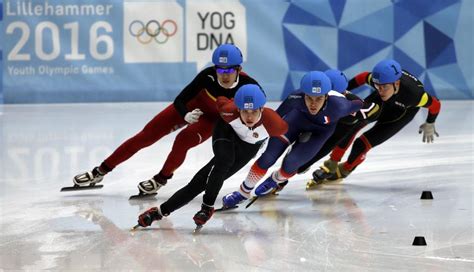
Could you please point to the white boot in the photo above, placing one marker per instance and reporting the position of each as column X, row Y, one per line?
column 152, row 185
column 88, row 178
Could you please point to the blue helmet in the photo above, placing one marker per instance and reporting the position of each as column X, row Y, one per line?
column 315, row 83
column 338, row 80
column 227, row 55
column 386, row 71
column 250, row 97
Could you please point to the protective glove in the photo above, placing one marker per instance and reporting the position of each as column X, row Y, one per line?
column 429, row 131
column 193, row 116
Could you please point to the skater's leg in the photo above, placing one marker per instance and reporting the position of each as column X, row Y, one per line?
column 186, row 139
column 379, row 133
column 346, row 141
column 184, row 195
column 244, row 152
column 162, row 124
column 339, row 135
column 275, row 148
column 165, row 122
column 329, row 168
column 301, row 152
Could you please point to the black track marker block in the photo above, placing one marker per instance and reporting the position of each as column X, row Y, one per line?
column 419, row 241
column 426, row 195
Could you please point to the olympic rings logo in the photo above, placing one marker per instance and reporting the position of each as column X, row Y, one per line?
column 153, row 30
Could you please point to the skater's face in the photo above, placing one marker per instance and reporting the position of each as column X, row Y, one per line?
column 227, row 75
column 314, row 103
column 386, row 91
column 250, row 117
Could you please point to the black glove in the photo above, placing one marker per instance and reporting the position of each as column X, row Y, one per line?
column 145, row 219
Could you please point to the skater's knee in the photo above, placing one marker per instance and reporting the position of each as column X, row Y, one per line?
column 146, row 137
column 291, row 166
column 188, row 139
column 266, row 160
column 224, row 164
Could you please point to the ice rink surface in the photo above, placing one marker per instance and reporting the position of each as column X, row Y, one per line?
column 366, row 223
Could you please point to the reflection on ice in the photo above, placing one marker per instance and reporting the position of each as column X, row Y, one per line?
column 366, row 222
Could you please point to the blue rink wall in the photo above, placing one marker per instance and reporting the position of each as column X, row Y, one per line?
column 98, row 51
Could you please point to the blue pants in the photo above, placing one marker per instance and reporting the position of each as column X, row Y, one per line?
column 301, row 152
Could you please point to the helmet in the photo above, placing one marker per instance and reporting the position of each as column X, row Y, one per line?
column 250, row 97
column 315, row 83
column 386, row 71
column 338, row 80
column 227, row 55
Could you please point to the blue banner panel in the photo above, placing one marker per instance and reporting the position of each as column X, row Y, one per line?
column 149, row 50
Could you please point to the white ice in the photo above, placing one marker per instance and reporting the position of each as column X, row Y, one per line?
column 366, row 223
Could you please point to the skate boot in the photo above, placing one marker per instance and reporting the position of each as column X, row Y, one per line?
column 232, row 199
column 267, row 187
column 149, row 187
column 325, row 171
column 202, row 216
column 145, row 219
column 340, row 173
column 329, row 166
column 89, row 178
column 280, row 187
column 319, row 176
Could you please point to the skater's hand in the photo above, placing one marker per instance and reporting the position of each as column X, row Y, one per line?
column 429, row 131
column 145, row 219
column 193, row 116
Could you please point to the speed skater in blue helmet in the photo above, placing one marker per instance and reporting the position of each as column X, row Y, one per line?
column 250, row 100
column 386, row 71
column 338, row 80
column 315, row 85
column 250, row 97
column 386, row 77
column 227, row 55
column 227, row 59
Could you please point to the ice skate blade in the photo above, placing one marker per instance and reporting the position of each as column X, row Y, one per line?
column 225, row 209
column 142, row 196
column 81, row 188
column 197, row 229
column 252, row 201
column 312, row 185
column 135, row 227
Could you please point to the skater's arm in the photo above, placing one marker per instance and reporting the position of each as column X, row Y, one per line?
column 344, row 106
column 289, row 103
column 227, row 109
column 433, row 105
column 359, row 80
column 350, row 96
column 273, row 123
column 369, row 110
column 189, row 92
column 355, row 105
